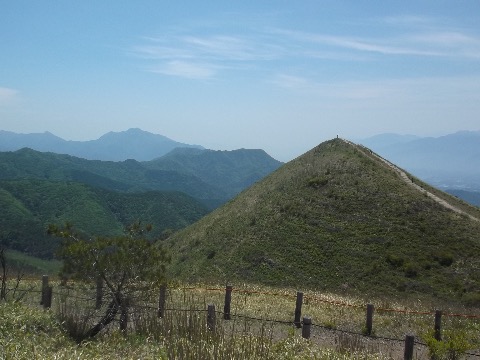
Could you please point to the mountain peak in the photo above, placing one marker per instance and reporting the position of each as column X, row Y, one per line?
column 335, row 215
column 133, row 143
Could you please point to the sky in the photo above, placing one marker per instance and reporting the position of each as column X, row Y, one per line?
column 282, row 76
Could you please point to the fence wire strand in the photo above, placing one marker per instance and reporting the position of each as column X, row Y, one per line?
column 311, row 298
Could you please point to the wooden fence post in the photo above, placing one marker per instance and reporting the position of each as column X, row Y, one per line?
column 228, row 300
column 124, row 314
column 409, row 343
column 307, row 324
column 211, row 317
column 369, row 323
column 438, row 325
column 99, row 293
column 161, row 301
column 44, row 288
column 298, row 309
column 47, row 297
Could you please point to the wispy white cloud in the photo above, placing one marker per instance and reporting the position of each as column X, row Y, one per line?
column 202, row 55
column 427, row 89
column 409, row 21
column 7, row 96
column 185, row 69
column 449, row 43
column 419, row 44
column 291, row 82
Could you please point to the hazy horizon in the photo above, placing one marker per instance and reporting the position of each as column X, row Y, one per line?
column 274, row 75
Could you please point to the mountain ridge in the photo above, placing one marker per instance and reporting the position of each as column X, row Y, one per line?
column 227, row 172
column 336, row 218
column 133, row 143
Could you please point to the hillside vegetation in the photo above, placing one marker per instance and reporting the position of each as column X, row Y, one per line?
column 336, row 218
column 28, row 206
column 230, row 171
column 212, row 177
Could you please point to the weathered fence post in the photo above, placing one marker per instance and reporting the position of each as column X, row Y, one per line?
column 298, row 309
column 228, row 300
column 124, row 314
column 369, row 323
column 161, row 301
column 307, row 324
column 409, row 343
column 47, row 297
column 438, row 325
column 44, row 288
column 99, row 293
column 211, row 317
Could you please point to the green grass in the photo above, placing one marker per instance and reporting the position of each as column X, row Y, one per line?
column 336, row 219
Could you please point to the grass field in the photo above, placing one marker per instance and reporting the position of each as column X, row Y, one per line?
column 261, row 326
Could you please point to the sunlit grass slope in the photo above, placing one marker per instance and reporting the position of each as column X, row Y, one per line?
column 336, row 218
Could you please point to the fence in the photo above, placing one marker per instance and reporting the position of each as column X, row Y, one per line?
column 305, row 323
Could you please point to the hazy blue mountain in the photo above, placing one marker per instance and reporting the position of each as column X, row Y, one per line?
column 473, row 197
column 448, row 162
column 10, row 141
column 115, row 146
column 387, row 139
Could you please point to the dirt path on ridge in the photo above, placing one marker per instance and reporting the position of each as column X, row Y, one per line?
column 407, row 180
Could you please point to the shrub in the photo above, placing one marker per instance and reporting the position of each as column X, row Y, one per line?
column 395, row 260
column 452, row 347
column 471, row 299
column 317, row 182
column 410, row 270
column 444, row 258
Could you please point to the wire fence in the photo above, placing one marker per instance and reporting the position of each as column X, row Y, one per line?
column 46, row 293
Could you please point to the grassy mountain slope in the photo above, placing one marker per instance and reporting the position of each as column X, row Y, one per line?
column 28, row 206
column 335, row 218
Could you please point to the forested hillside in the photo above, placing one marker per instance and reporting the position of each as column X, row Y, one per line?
column 212, row 177
column 28, row 206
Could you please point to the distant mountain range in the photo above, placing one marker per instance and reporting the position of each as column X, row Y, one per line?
column 450, row 162
column 114, row 146
column 102, row 197
column 212, row 177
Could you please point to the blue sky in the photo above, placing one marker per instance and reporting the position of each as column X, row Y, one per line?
column 278, row 75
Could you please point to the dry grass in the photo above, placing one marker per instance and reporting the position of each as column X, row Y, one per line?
column 251, row 334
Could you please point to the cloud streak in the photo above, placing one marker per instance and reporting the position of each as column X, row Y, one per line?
column 185, row 69
column 7, row 96
column 196, row 55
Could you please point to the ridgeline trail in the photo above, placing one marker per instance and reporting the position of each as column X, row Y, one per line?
column 408, row 180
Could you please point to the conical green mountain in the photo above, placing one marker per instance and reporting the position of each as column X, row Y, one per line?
column 337, row 217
